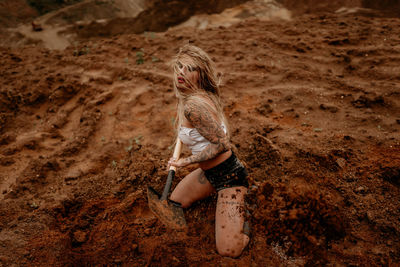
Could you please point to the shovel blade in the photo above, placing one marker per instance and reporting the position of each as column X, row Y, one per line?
column 169, row 214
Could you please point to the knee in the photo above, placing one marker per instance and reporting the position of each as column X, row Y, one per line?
column 185, row 203
column 228, row 251
column 232, row 249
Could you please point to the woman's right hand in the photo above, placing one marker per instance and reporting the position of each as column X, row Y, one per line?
column 170, row 161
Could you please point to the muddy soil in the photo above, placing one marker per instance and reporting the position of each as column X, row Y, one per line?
column 314, row 111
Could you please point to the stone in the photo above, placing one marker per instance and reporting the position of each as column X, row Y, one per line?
column 80, row 236
column 341, row 162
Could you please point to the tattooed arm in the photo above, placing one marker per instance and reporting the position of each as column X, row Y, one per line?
column 204, row 122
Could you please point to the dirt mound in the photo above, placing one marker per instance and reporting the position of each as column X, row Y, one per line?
column 14, row 12
column 93, row 18
column 313, row 106
column 382, row 8
column 301, row 220
column 312, row 6
column 389, row 7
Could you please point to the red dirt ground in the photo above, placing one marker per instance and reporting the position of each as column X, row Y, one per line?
column 314, row 111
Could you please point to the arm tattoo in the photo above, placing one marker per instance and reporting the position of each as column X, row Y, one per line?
column 210, row 129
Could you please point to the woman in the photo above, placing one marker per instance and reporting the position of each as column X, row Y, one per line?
column 202, row 127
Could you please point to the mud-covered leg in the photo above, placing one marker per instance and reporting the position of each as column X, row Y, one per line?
column 229, row 222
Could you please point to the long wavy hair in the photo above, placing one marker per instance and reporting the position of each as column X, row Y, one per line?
column 206, row 92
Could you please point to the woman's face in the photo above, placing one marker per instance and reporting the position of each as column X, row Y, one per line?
column 187, row 75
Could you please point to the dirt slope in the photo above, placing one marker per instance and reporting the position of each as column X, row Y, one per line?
column 389, row 8
column 314, row 111
column 97, row 18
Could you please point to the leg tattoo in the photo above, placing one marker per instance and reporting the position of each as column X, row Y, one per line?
column 202, row 178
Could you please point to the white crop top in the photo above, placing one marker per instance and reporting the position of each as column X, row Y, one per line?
column 193, row 139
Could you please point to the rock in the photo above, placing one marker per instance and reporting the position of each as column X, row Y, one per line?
column 348, row 138
column 72, row 175
column 36, row 26
column 370, row 216
column 33, row 205
column 329, row 108
column 80, row 236
column 239, row 57
column 147, row 231
column 341, row 162
column 264, row 109
column 360, row 189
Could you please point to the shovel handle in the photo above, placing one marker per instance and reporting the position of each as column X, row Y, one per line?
column 177, row 152
column 172, row 170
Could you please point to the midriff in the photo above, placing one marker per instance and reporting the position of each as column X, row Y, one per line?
column 211, row 163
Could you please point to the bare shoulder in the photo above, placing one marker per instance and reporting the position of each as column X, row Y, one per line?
column 192, row 109
column 205, row 122
column 196, row 111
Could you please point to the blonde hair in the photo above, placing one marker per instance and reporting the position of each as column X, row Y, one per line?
column 207, row 87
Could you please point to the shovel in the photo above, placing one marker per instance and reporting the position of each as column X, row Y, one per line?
column 169, row 212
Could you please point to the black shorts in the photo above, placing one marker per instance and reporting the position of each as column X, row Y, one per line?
column 229, row 173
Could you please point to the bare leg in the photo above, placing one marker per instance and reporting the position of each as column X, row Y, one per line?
column 194, row 186
column 229, row 220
